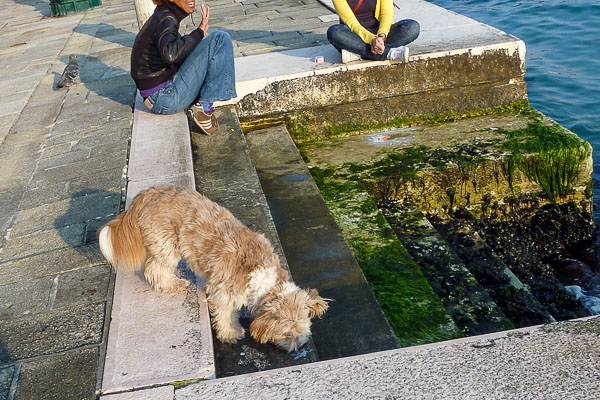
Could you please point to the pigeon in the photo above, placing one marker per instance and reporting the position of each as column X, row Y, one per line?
column 70, row 75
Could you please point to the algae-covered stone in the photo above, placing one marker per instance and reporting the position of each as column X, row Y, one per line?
column 414, row 311
column 518, row 178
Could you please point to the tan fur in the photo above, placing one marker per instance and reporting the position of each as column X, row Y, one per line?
column 125, row 237
column 165, row 224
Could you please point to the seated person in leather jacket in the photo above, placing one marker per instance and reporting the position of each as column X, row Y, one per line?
column 173, row 72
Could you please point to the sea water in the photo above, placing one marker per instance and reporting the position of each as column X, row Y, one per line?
column 562, row 72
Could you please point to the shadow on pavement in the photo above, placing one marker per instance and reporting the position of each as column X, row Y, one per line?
column 108, row 33
column 42, row 6
column 89, row 209
column 108, row 81
column 284, row 40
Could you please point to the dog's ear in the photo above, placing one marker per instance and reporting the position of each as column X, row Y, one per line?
column 262, row 328
column 316, row 304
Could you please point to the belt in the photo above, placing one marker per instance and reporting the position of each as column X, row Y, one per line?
column 148, row 104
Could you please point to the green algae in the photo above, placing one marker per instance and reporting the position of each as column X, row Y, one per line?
column 414, row 312
column 497, row 177
column 184, row 383
column 298, row 125
column 548, row 155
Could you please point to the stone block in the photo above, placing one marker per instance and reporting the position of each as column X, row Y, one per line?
column 50, row 263
column 83, row 207
column 39, row 242
column 24, row 297
column 160, row 145
column 51, row 332
column 82, row 286
column 181, row 180
column 176, row 346
column 68, row 376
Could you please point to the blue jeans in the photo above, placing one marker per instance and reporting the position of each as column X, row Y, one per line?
column 401, row 33
column 206, row 75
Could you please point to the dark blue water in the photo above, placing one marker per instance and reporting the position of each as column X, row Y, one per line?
column 563, row 65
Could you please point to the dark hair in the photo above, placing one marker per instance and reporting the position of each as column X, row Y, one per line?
column 160, row 2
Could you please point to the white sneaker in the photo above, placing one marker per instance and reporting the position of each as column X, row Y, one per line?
column 398, row 53
column 348, row 56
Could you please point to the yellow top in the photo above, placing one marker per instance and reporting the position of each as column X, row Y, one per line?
column 384, row 13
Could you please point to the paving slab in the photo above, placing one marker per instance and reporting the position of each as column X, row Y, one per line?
column 80, row 287
column 159, row 145
column 31, row 297
column 6, row 378
column 97, row 204
column 556, row 361
column 156, row 338
column 69, row 376
column 50, row 263
column 42, row 241
column 51, row 332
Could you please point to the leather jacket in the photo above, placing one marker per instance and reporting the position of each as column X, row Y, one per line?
column 159, row 49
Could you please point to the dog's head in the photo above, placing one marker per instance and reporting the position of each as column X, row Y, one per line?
column 284, row 315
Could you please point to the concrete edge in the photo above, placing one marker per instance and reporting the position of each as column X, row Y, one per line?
column 304, row 60
column 140, row 134
column 413, row 349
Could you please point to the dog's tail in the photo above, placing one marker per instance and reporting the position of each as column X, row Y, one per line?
column 121, row 239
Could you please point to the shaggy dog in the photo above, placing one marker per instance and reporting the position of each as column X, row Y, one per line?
column 165, row 223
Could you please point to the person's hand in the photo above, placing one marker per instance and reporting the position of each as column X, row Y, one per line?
column 205, row 11
column 377, row 45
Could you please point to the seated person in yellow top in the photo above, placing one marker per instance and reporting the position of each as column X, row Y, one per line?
column 367, row 31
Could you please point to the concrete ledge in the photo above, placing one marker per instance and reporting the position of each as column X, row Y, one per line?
column 160, row 151
column 456, row 65
column 157, row 338
column 556, row 361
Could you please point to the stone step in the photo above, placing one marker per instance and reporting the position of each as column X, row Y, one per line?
column 470, row 305
column 224, row 172
column 507, row 290
column 157, row 338
column 317, row 253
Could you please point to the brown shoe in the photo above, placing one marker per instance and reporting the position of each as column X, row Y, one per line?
column 206, row 123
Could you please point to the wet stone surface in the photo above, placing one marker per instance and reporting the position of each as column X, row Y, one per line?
column 469, row 303
column 521, row 183
column 223, row 161
column 515, row 301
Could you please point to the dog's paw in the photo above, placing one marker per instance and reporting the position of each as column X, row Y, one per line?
column 175, row 286
column 231, row 336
